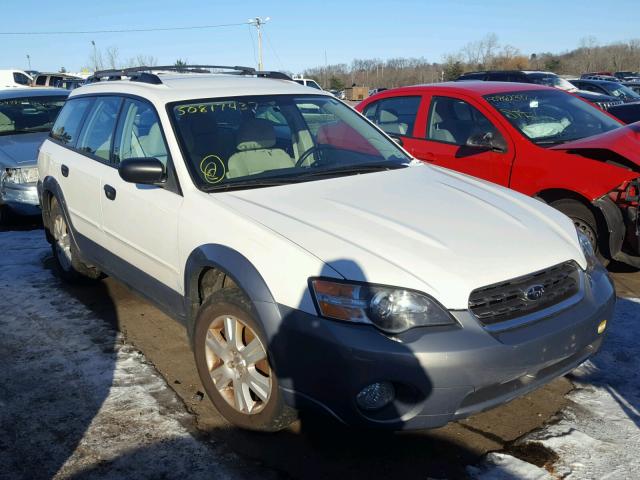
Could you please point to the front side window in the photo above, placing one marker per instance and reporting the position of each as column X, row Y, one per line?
column 395, row 116
column 548, row 117
column 29, row 114
column 624, row 92
column 41, row 80
column 265, row 140
column 455, row 121
column 99, row 127
column 139, row 133
column 313, row 84
column 21, row 78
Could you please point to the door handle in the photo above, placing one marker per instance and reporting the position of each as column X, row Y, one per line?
column 428, row 157
column 65, row 170
column 110, row 192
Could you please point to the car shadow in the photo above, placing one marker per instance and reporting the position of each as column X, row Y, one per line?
column 58, row 361
column 616, row 368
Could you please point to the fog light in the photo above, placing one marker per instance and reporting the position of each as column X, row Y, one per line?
column 376, row 396
column 602, row 327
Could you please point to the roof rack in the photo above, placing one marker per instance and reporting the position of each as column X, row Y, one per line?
column 146, row 75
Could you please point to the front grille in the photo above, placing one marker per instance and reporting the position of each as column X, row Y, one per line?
column 508, row 300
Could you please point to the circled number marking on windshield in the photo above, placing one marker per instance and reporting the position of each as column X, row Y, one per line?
column 213, row 169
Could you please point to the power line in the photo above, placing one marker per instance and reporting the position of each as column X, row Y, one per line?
column 266, row 34
column 127, row 30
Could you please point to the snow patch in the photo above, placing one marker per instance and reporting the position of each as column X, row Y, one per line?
column 598, row 435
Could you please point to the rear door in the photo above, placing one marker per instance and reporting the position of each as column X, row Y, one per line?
column 140, row 222
column 452, row 123
column 82, row 135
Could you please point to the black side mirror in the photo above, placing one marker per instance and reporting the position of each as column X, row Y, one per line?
column 145, row 171
column 487, row 141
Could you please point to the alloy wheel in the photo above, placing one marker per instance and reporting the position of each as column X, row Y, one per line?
column 237, row 363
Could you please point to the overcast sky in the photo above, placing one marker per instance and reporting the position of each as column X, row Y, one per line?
column 300, row 32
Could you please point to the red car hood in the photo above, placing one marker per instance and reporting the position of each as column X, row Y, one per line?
column 625, row 141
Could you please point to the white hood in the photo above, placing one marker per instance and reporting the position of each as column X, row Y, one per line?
column 421, row 227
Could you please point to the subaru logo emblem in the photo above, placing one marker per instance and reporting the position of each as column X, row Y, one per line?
column 534, row 293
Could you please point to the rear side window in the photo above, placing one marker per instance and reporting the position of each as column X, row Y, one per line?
column 395, row 116
column 41, row 80
column 99, row 128
column 67, row 126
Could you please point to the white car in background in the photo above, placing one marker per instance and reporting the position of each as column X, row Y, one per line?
column 308, row 82
column 14, row 79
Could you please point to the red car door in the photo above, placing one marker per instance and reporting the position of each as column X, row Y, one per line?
column 398, row 116
column 451, row 133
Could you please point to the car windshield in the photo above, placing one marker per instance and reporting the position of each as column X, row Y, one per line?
column 29, row 114
column 548, row 117
column 621, row 91
column 552, row 81
column 259, row 141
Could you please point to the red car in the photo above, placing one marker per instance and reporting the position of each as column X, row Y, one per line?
column 534, row 139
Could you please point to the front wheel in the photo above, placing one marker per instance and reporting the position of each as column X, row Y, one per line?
column 584, row 220
column 232, row 360
column 67, row 258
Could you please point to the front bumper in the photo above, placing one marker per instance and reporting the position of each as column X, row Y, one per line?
column 20, row 198
column 440, row 374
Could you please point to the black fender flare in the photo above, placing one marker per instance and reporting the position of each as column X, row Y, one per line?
column 243, row 273
column 615, row 225
column 51, row 188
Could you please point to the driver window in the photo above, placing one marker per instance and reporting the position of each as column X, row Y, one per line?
column 140, row 134
column 455, row 121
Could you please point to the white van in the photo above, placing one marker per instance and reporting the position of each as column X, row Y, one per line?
column 14, row 79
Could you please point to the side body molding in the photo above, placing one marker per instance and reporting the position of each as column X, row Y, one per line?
column 242, row 272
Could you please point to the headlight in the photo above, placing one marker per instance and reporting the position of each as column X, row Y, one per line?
column 20, row 175
column 390, row 309
column 587, row 249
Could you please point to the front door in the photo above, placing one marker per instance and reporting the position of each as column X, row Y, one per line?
column 452, row 127
column 140, row 222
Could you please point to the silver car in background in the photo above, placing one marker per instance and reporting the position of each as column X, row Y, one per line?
column 26, row 116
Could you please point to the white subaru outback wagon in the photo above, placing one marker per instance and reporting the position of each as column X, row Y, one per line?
column 314, row 263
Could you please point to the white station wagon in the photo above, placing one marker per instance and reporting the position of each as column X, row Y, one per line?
column 314, row 263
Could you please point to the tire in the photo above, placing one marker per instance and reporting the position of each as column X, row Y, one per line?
column 65, row 253
column 245, row 391
column 584, row 219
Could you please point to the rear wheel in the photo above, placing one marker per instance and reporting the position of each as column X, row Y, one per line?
column 67, row 259
column 233, row 363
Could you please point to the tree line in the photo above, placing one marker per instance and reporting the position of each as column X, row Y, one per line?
column 484, row 54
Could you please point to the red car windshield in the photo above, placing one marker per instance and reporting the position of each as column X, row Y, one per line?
column 548, row 117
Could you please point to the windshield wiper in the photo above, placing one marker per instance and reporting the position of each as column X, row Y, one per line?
column 258, row 183
column 355, row 169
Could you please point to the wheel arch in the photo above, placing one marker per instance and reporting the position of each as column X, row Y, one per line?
column 50, row 190
column 609, row 236
column 212, row 267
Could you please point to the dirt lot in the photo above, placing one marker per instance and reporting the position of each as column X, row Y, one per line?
column 316, row 448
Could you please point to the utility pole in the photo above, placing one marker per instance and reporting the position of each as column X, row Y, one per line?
column 95, row 56
column 29, row 60
column 258, row 23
